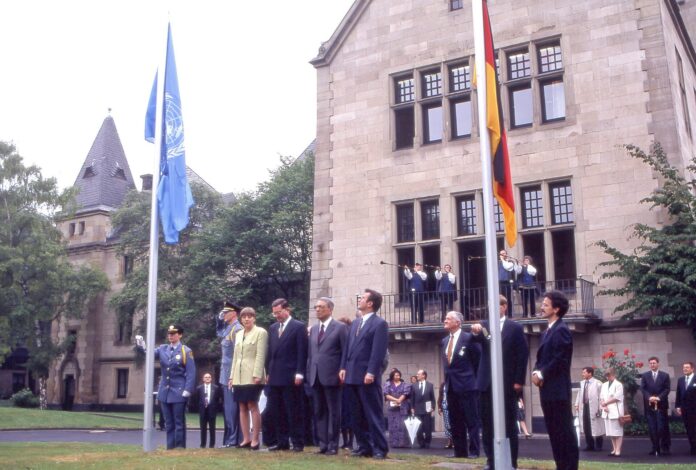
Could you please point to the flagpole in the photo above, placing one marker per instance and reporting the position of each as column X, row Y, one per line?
column 148, row 425
column 501, row 444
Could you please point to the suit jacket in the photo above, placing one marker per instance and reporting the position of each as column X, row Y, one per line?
column 593, row 389
column 460, row 374
column 215, row 398
column 515, row 358
column 686, row 395
column 553, row 361
column 178, row 373
column 651, row 388
column 366, row 351
column 324, row 358
column 249, row 356
column 419, row 399
column 227, row 333
column 287, row 354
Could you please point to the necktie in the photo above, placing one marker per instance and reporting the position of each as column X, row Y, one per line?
column 207, row 395
column 687, row 379
column 280, row 330
column 422, row 388
column 321, row 332
column 654, row 376
column 450, row 347
column 362, row 322
column 585, row 398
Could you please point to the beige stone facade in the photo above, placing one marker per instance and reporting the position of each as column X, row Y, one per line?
column 620, row 85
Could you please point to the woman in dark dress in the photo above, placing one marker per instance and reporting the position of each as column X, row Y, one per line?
column 396, row 393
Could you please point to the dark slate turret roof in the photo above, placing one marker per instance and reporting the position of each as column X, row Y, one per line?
column 105, row 176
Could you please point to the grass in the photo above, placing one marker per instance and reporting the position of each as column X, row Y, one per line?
column 33, row 418
column 125, row 457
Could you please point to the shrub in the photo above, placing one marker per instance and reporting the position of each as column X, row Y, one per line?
column 25, row 399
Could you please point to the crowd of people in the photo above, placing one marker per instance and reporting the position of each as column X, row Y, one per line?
column 340, row 365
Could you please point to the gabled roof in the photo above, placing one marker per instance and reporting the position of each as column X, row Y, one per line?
column 105, row 176
column 328, row 49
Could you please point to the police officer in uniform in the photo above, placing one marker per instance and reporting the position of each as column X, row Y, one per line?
column 176, row 385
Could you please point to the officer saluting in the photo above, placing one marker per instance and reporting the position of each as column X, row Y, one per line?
column 176, row 385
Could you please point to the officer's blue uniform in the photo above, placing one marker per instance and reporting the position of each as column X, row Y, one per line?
column 178, row 374
column 227, row 332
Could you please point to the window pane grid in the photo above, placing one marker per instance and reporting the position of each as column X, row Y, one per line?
column 405, row 225
column 562, row 203
column 431, row 220
column 405, row 90
column 432, row 84
column 461, row 117
column 519, row 65
column 466, row 215
column 550, row 58
column 533, row 207
column 456, row 4
column 498, row 217
column 460, row 78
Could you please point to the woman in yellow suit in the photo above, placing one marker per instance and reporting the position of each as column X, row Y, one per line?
column 248, row 376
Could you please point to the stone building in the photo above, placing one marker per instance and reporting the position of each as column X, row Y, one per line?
column 398, row 175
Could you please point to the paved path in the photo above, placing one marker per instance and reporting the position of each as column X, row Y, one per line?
column 634, row 449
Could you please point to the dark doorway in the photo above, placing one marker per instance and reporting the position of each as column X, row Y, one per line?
column 563, row 242
column 431, row 260
column 533, row 244
column 472, row 278
column 68, row 392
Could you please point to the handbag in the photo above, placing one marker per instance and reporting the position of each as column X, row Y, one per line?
column 625, row 419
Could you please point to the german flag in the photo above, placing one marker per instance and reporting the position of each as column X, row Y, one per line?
column 502, row 180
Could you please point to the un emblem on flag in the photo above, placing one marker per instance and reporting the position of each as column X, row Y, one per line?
column 174, row 127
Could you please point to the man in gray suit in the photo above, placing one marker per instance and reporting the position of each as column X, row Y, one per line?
column 327, row 339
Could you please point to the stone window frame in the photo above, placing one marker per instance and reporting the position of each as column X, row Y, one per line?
column 417, row 205
column 682, row 93
column 401, row 211
column 429, row 233
column 467, row 226
column 456, row 5
column 459, row 92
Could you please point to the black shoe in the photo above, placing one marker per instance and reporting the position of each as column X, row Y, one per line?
column 588, row 449
column 277, row 447
column 244, row 446
column 652, row 452
column 330, row 452
column 297, row 449
column 256, row 447
column 379, row 456
column 360, row 453
column 666, row 452
column 473, row 456
column 320, row 451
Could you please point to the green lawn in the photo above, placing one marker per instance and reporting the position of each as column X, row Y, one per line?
column 124, row 457
column 32, row 418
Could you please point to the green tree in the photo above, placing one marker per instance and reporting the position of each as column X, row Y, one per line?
column 38, row 285
column 660, row 274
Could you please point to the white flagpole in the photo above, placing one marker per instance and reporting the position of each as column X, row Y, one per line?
column 148, row 445
column 501, row 444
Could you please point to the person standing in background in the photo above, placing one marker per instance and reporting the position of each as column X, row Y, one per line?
column 655, row 386
column 446, row 289
column 588, row 409
column 416, row 284
column 227, row 326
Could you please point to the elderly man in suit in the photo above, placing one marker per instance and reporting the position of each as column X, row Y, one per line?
column 587, row 407
column 515, row 357
column 227, row 326
column 286, row 363
column 208, row 397
column 552, row 375
column 327, row 340
column 176, row 385
column 685, row 404
column 362, row 366
column 461, row 356
column 655, row 386
column 422, row 406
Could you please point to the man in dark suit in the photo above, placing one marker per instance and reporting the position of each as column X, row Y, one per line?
column 208, row 398
column 416, row 285
column 552, row 376
column 423, row 406
column 362, row 366
column 685, row 404
column 327, row 340
column 515, row 357
column 460, row 358
column 655, row 385
column 286, row 362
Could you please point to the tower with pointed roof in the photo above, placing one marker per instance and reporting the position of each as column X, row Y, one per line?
column 98, row 370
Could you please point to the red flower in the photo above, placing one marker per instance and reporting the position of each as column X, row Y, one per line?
column 633, row 356
column 639, row 364
column 626, row 351
column 623, row 364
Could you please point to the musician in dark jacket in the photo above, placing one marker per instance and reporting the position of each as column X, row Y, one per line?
column 446, row 289
column 416, row 285
column 208, row 398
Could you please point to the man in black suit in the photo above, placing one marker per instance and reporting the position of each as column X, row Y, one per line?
column 460, row 358
column 685, row 404
column 208, row 399
column 423, row 406
column 655, row 385
column 286, row 362
column 552, row 375
column 515, row 357
column 327, row 340
column 362, row 366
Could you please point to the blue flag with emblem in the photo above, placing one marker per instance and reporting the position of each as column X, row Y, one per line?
column 174, row 196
